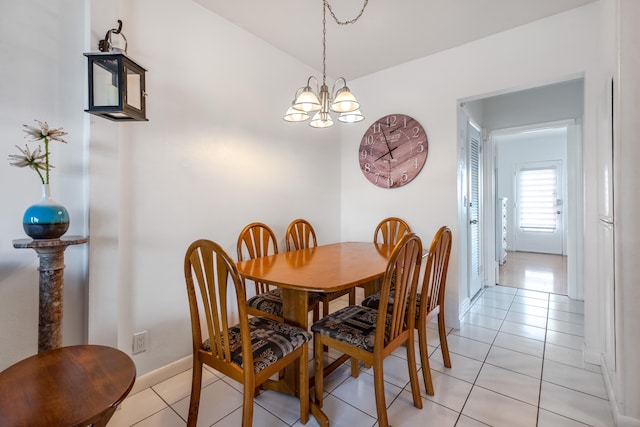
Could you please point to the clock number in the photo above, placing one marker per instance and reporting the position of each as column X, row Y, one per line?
column 404, row 177
column 391, row 121
column 377, row 176
column 376, row 127
column 415, row 163
column 368, row 140
column 390, row 181
column 363, row 154
column 416, row 132
column 420, row 147
column 405, row 121
column 367, row 167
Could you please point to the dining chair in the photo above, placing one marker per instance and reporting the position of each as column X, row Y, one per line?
column 250, row 351
column 301, row 235
column 371, row 335
column 258, row 240
column 429, row 301
column 390, row 230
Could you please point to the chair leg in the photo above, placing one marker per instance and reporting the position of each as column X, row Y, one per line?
column 247, row 404
column 424, row 356
column 413, row 372
column 318, row 368
column 196, row 387
column 352, row 296
column 443, row 339
column 316, row 313
column 378, row 382
column 304, row 384
column 355, row 367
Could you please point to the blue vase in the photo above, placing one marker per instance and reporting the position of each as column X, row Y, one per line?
column 46, row 219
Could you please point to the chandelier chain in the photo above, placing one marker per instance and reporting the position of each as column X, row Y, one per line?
column 352, row 21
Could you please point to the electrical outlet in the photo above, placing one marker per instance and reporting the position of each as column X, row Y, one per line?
column 139, row 342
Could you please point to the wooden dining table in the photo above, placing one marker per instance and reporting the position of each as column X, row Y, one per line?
column 325, row 268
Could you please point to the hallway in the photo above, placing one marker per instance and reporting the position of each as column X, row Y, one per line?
column 534, row 271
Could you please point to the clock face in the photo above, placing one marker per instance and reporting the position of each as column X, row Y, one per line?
column 393, row 151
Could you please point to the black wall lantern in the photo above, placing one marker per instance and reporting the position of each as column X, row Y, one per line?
column 116, row 82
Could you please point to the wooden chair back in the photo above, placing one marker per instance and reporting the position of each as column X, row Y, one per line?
column 435, row 274
column 257, row 240
column 210, row 275
column 401, row 276
column 300, row 235
column 390, row 230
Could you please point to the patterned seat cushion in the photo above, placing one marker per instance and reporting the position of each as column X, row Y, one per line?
column 373, row 301
column 353, row 324
column 271, row 302
column 270, row 341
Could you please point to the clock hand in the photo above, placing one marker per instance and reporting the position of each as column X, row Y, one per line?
column 386, row 154
column 386, row 141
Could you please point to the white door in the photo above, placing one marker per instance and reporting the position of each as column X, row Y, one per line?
column 474, row 141
column 539, row 207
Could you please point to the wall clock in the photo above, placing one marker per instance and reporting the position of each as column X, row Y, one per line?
column 393, row 151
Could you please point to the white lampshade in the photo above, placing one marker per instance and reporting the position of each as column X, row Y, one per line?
column 351, row 117
column 293, row 115
column 344, row 102
column 321, row 120
column 307, row 101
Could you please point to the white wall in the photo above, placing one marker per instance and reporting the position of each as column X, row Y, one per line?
column 214, row 156
column 42, row 75
column 429, row 90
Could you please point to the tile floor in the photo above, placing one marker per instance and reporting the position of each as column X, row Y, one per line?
column 516, row 360
column 534, row 271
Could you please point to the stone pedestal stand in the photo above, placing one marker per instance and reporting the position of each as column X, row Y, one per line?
column 51, row 254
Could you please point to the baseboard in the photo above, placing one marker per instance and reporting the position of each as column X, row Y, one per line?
column 620, row 420
column 161, row 374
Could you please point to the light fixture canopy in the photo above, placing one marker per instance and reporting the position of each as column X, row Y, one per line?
column 339, row 100
column 116, row 82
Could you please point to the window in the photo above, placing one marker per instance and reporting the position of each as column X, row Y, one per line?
column 537, row 204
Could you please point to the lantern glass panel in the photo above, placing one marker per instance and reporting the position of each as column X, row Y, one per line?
column 105, row 82
column 134, row 94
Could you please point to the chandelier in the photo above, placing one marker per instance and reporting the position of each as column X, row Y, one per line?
column 339, row 100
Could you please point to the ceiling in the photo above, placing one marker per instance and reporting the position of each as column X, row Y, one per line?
column 390, row 32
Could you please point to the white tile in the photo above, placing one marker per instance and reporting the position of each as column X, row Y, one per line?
column 565, row 340
column 463, row 368
column 502, row 289
column 581, row 407
column 515, row 361
column 285, row 407
column 534, row 302
column 512, row 384
column 165, row 418
column 526, row 319
column 566, row 316
column 568, row 305
column 575, row 378
column 529, row 309
column 532, row 294
column 565, row 327
column 523, row 330
column 359, row 393
column 468, row 347
column 502, row 303
column 179, row 386
column 549, row 419
column 216, row 402
column 137, row 407
column 498, row 313
column 341, row 414
column 449, row 391
column 465, row 421
column 482, row 406
column 477, row 333
column 480, row 320
column 261, row 418
column 403, row 413
column 521, row 344
column 568, row 356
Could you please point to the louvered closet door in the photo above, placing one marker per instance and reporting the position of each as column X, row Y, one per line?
column 473, row 210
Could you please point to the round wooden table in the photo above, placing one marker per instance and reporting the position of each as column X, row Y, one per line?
column 68, row 386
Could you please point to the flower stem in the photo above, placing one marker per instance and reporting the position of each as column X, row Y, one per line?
column 46, row 159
